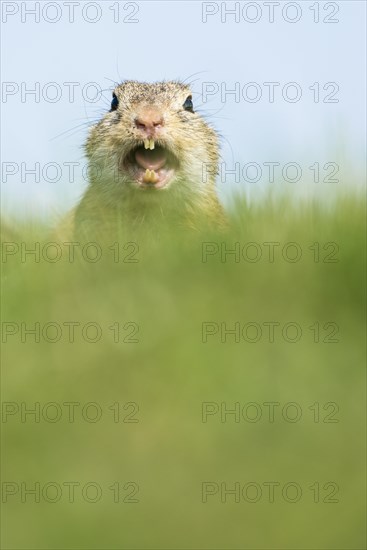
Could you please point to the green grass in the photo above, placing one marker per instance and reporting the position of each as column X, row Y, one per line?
column 169, row 293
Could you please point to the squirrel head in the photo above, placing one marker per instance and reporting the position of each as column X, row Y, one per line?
column 152, row 139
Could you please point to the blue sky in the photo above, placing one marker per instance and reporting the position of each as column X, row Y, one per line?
column 170, row 40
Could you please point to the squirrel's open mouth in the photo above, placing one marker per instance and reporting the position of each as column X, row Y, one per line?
column 151, row 166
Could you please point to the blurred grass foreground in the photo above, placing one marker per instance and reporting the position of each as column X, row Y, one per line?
column 201, row 391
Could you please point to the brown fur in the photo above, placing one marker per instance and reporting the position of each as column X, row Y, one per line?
column 112, row 201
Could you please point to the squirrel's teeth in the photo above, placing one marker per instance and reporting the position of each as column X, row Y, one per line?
column 149, row 144
column 146, row 178
column 153, row 177
column 150, row 176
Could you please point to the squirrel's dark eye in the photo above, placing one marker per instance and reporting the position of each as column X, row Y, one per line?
column 188, row 105
column 114, row 102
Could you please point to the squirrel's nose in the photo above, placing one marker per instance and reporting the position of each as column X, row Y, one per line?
column 149, row 121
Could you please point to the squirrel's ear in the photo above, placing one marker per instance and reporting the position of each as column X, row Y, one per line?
column 114, row 102
column 188, row 105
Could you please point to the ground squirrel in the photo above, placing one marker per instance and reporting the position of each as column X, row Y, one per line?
column 151, row 158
